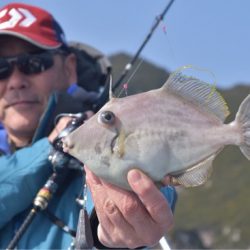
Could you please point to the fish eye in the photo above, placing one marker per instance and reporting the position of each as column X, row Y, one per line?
column 107, row 117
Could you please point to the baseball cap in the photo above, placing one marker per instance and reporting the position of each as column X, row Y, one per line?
column 32, row 24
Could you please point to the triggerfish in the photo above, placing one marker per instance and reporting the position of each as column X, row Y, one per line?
column 176, row 130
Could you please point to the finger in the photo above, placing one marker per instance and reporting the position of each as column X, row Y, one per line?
column 91, row 178
column 104, row 237
column 150, row 196
column 122, row 234
column 135, row 222
column 146, row 231
column 126, row 204
column 112, row 221
column 99, row 195
column 89, row 113
column 62, row 123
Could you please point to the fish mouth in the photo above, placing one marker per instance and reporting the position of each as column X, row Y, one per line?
column 66, row 145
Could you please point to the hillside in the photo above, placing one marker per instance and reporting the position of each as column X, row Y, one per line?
column 216, row 213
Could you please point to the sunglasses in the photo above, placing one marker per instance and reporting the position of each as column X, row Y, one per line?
column 28, row 64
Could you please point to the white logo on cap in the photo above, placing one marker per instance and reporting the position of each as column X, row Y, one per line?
column 20, row 17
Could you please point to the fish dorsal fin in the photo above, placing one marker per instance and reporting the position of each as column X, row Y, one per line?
column 110, row 87
column 196, row 175
column 202, row 94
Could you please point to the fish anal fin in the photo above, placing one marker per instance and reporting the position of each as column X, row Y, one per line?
column 196, row 175
column 203, row 95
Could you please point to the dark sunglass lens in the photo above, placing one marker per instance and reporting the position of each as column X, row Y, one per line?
column 5, row 68
column 34, row 64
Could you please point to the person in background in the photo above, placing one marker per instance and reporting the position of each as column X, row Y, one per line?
column 37, row 81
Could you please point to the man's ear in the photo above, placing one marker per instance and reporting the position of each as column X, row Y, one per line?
column 70, row 67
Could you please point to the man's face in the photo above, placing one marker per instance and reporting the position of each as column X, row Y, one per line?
column 23, row 98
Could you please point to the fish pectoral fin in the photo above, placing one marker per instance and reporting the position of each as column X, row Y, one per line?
column 196, row 175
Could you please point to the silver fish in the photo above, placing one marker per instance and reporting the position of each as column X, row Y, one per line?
column 176, row 130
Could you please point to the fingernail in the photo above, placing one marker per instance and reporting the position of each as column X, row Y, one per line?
column 134, row 177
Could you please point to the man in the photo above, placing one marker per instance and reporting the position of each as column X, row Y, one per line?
column 36, row 70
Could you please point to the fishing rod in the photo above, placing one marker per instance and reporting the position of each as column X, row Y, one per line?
column 105, row 94
column 40, row 203
column 133, row 60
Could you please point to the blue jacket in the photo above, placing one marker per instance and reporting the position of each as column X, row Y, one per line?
column 22, row 174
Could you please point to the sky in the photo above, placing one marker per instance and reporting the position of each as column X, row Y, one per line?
column 208, row 34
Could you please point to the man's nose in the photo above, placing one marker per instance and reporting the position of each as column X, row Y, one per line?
column 17, row 79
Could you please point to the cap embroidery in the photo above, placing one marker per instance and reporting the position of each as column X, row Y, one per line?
column 16, row 15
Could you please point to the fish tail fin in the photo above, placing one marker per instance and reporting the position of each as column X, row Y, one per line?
column 243, row 118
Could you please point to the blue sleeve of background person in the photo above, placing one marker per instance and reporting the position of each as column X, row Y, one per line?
column 4, row 146
column 21, row 176
column 171, row 196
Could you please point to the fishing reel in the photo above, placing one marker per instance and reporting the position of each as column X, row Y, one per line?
column 59, row 159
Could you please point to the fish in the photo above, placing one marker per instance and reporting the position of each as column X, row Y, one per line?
column 176, row 130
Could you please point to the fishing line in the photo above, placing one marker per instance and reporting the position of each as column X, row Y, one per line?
column 125, row 85
column 163, row 27
column 105, row 94
column 171, row 50
column 165, row 33
column 130, row 64
column 136, row 69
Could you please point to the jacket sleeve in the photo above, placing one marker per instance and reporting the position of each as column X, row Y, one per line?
column 22, row 174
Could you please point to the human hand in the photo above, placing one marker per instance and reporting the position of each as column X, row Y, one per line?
column 62, row 123
column 128, row 219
